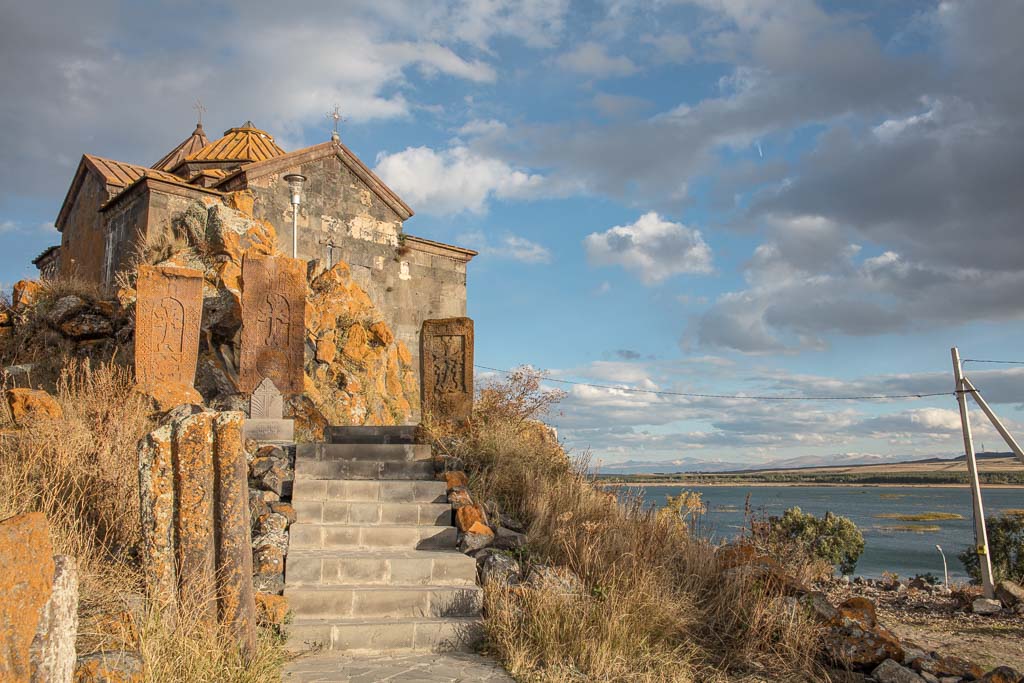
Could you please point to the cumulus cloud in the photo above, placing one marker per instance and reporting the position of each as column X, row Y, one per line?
column 592, row 59
column 453, row 180
column 508, row 246
column 652, row 248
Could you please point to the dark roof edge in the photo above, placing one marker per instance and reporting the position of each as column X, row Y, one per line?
column 449, row 250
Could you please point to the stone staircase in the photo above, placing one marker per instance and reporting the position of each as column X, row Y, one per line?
column 372, row 564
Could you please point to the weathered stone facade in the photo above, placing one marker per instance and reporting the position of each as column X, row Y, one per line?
column 118, row 215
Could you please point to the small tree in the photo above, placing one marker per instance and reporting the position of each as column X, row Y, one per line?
column 832, row 538
column 1005, row 547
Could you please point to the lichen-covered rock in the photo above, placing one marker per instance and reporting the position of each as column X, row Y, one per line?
column 558, row 579
column 476, row 538
column 26, row 575
column 25, row 294
column 271, row 610
column 115, row 666
column 469, row 515
column 268, row 559
column 856, row 639
column 459, row 497
column 496, row 566
column 986, row 606
column 169, row 395
column 32, row 404
column 947, row 666
column 455, row 479
column 1002, row 674
column 285, row 510
column 1009, row 593
column 53, row 649
column 892, row 672
column 268, row 583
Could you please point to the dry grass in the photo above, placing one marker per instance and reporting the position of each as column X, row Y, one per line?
column 81, row 470
column 654, row 606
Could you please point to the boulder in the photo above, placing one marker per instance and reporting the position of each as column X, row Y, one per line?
column 168, row 395
column 32, row 404
column 271, row 523
column 268, row 583
column 87, row 326
column 285, row 510
column 116, row 666
column 469, row 515
column 1001, row 674
column 475, row 538
column 455, row 479
column 268, row 559
column 273, row 480
column 1009, row 593
column 891, row 672
column 856, row 639
column 943, row 666
column 496, row 566
column 986, row 606
column 25, row 294
column 506, row 539
column 459, row 497
column 65, row 307
column 558, row 579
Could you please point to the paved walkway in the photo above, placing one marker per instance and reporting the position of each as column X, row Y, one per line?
column 333, row 667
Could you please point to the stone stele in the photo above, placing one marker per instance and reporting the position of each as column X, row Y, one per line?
column 446, row 365
column 266, row 409
column 26, row 575
column 168, row 313
column 273, row 322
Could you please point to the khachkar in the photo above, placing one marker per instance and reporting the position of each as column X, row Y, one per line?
column 168, row 313
column 446, row 366
column 273, row 322
column 196, row 551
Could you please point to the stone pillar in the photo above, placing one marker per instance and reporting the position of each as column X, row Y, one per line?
column 156, row 489
column 53, row 649
column 235, row 601
column 192, row 439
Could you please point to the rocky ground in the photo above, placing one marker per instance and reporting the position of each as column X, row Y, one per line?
column 936, row 619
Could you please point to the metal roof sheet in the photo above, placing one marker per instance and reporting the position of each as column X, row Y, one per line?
column 190, row 145
column 244, row 143
column 121, row 174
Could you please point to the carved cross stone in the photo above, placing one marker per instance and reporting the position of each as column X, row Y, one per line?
column 168, row 313
column 446, row 367
column 266, row 402
column 273, row 322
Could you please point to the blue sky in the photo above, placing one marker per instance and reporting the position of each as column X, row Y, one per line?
column 713, row 196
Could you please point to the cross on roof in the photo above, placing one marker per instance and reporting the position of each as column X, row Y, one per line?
column 200, row 110
column 337, row 118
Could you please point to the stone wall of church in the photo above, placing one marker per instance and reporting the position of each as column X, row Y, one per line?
column 343, row 220
column 83, row 240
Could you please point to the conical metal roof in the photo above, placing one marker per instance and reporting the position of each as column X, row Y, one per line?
column 245, row 143
column 190, row 145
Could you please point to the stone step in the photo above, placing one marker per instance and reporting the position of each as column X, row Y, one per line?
column 373, row 435
column 395, row 452
column 386, row 567
column 349, row 512
column 354, row 491
column 363, row 469
column 385, row 635
column 383, row 602
column 370, row 537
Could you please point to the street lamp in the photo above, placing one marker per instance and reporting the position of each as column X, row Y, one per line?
column 295, row 181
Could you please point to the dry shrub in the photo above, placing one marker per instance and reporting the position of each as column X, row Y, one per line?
column 654, row 605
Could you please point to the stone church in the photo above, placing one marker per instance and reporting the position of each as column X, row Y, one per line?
column 346, row 214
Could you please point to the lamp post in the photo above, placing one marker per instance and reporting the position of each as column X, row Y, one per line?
column 945, row 567
column 295, row 181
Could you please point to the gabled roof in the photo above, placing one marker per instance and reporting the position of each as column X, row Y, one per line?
column 190, row 145
column 333, row 148
column 46, row 252
column 246, row 143
column 116, row 175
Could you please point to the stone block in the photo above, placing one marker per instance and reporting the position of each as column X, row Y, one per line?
column 279, row 431
column 192, row 443
column 26, row 574
column 156, row 489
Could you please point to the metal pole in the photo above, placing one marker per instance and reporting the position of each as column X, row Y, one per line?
column 295, row 230
column 983, row 404
column 980, row 534
column 945, row 567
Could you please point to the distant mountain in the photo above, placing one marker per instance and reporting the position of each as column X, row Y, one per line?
column 682, row 465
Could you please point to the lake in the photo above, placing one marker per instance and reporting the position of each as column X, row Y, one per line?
column 904, row 552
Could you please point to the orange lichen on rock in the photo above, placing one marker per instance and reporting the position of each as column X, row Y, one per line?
column 26, row 574
column 271, row 610
column 480, row 529
column 454, row 479
column 171, row 395
column 32, row 404
column 469, row 516
column 383, row 334
column 25, row 294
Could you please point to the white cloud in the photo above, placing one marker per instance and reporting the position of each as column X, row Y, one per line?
column 591, row 59
column 510, row 246
column 453, row 180
column 652, row 248
column 478, row 127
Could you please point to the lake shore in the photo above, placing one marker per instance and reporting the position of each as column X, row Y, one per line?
column 799, row 484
